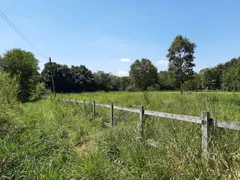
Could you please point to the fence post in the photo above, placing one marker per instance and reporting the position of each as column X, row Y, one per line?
column 142, row 121
column 84, row 107
column 206, row 133
column 111, row 114
column 94, row 108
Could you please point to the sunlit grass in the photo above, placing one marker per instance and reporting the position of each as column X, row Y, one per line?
column 221, row 105
column 57, row 140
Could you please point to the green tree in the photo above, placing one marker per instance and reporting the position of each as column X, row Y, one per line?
column 180, row 56
column 193, row 84
column 115, row 83
column 167, row 80
column 231, row 77
column 209, row 78
column 103, row 80
column 125, row 81
column 62, row 77
column 143, row 74
column 24, row 66
column 212, row 77
column 83, row 79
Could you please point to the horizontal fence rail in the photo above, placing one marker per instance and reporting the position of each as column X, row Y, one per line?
column 185, row 118
column 205, row 121
column 192, row 119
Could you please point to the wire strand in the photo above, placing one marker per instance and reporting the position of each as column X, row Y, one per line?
column 11, row 24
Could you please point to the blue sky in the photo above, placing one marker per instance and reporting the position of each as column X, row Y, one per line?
column 109, row 35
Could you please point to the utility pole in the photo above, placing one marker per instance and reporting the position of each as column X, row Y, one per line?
column 53, row 84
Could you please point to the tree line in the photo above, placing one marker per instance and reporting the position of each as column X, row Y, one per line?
column 143, row 75
column 80, row 79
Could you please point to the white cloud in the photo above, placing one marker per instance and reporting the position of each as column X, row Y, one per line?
column 125, row 60
column 123, row 45
column 163, row 62
column 122, row 73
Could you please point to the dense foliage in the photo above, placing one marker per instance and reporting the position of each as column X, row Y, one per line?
column 180, row 56
column 8, row 95
column 222, row 77
column 144, row 74
column 24, row 66
column 142, row 77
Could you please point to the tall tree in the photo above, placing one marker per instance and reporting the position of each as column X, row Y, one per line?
column 231, row 77
column 193, row 84
column 144, row 74
column 180, row 56
column 24, row 66
column 166, row 80
column 103, row 80
column 62, row 77
column 82, row 78
column 125, row 81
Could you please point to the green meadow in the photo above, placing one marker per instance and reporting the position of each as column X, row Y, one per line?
column 49, row 139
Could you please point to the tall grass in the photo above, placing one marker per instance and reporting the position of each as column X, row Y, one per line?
column 57, row 140
column 224, row 106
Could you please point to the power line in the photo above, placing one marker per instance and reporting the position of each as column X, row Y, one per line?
column 11, row 24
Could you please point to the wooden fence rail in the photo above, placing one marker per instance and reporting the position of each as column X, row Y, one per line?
column 205, row 120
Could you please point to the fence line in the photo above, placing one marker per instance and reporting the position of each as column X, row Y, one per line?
column 204, row 120
column 186, row 118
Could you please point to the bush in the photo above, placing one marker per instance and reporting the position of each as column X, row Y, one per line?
column 130, row 88
column 8, row 95
column 39, row 91
column 154, row 87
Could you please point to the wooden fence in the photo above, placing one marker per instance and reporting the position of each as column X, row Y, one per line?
column 206, row 122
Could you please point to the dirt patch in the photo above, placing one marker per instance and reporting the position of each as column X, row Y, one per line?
column 81, row 147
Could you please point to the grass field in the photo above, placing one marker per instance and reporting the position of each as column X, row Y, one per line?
column 56, row 140
column 221, row 105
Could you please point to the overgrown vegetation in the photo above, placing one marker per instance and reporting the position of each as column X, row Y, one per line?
column 57, row 140
column 8, row 96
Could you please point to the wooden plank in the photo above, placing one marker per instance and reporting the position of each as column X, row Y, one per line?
column 111, row 114
column 141, row 125
column 192, row 119
column 127, row 109
column 228, row 125
column 69, row 100
column 102, row 105
column 179, row 117
column 89, row 103
column 206, row 123
column 94, row 108
column 107, row 124
column 84, row 107
column 152, row 143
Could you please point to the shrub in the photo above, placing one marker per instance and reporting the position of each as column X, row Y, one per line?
column 39, row 91
column 130, row 88
column 154, row 87
column 8, row 95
